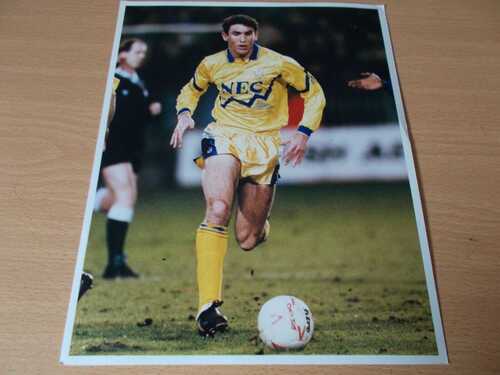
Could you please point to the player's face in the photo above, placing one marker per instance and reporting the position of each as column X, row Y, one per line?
column 240, row 40
column 136, row 55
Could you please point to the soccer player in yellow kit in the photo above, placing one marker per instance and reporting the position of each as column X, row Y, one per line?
column 240, row 150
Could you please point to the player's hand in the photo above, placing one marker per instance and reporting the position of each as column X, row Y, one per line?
column 155, row 108
column 370, row 82
column 184, row 122
column 295, row 148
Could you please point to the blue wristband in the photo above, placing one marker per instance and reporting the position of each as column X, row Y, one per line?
column 304, row 130
column 183, row 110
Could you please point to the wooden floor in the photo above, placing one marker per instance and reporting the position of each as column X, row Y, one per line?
column 53, row 64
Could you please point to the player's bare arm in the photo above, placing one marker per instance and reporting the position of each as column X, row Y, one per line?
column 295, row 148
column 184, row 122
column 370, row 81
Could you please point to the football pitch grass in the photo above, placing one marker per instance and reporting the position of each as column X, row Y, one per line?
column 349, row 251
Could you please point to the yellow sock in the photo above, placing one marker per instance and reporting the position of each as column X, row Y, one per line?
column 211, row 247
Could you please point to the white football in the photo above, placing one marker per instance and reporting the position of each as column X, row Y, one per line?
column 285, row 322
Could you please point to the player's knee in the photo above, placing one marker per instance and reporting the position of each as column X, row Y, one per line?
column 249, row 244
column 246, row 240
column 218, row 212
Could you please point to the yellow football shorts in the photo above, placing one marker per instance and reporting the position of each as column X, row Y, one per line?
column 258, row 153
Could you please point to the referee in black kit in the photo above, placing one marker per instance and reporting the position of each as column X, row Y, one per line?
column 121, row 160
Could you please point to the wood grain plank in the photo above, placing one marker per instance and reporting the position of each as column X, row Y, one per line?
column 53, row 66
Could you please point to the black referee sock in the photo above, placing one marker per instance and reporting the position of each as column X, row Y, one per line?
column 116, row 231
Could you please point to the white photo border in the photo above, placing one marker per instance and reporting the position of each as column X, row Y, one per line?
column 93, row 360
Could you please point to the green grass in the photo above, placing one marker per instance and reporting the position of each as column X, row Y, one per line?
column 350, row 252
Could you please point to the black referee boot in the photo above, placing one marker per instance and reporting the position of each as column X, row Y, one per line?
column 118, row 267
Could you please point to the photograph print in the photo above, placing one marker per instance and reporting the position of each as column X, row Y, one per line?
column 253, row 198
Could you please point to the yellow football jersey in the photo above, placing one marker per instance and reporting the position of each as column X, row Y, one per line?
column 253, row 92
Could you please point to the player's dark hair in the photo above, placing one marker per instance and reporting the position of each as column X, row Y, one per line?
column 126, row 44
column 239, row 19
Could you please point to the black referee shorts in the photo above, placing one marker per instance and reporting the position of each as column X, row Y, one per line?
column 117, row 155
